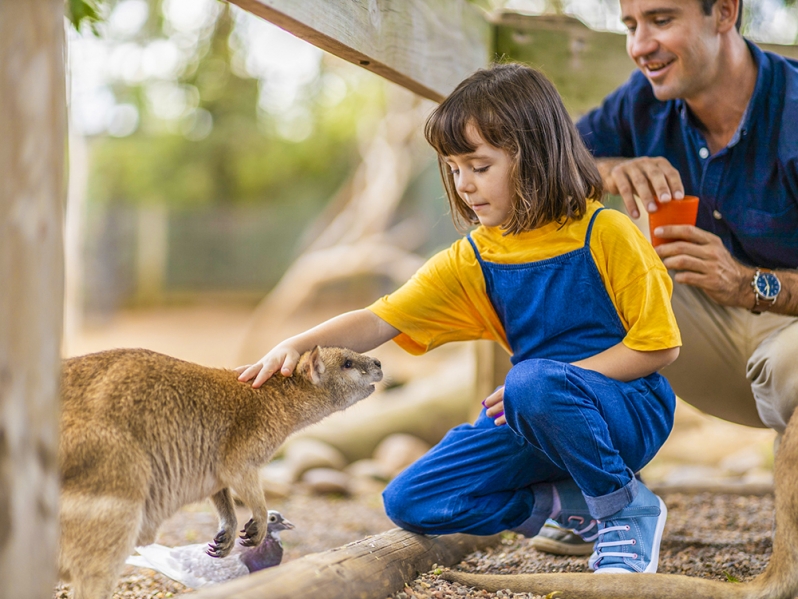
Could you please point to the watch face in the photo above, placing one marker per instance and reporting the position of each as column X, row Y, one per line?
column 767, row 285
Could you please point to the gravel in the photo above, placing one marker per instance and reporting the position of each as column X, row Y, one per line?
column 708, row 535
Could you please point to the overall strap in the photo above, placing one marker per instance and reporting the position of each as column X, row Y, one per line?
column 474, row 245
column 590, row 226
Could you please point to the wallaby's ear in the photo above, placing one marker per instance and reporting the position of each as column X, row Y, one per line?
column 315, row 366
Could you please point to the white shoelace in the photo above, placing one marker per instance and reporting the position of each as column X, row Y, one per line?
column 601, row 545
column 581, row 532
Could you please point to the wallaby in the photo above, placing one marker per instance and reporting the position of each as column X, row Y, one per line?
column 143, row 434
column 778, row 581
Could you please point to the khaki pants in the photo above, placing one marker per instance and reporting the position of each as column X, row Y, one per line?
column 733, row 364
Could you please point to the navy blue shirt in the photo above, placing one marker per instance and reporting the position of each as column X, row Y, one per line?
column 749, row 190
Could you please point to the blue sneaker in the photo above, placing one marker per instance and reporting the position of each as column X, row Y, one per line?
column 628, row 541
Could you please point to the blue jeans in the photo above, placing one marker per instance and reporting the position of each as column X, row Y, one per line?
column 563, row 422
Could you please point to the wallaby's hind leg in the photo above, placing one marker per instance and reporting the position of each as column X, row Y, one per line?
column 97, row 534
column 249, row 488
column 226, row 537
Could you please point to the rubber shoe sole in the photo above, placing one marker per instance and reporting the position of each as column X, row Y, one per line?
column 560, row 541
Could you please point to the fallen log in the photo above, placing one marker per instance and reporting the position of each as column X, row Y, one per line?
column 371, row 568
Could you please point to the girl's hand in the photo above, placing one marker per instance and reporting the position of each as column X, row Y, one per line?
column 283, row 358
column 495, row 405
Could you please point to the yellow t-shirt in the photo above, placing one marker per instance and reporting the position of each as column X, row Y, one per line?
column 446, row 299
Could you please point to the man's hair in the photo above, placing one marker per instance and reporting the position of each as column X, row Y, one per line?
column 515, row 108
column 708, row 4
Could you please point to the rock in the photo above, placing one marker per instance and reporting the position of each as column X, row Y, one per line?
column 370, row 469
column 744, row 460
column 366, row 486
column 327, row 480
column 302, row 455
column 276, row 478
column 396, row 452
column 758, row 476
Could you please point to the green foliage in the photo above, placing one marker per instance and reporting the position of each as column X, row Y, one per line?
column 84, row 11
column 730, row 577
column 243, row 160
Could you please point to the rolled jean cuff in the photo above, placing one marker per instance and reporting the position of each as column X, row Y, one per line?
column 606, row 505
column 544, row 502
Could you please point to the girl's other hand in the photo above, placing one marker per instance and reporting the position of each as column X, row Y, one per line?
column 495, row 405
column 281, row 358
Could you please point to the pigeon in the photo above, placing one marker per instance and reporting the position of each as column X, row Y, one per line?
column 191, row 566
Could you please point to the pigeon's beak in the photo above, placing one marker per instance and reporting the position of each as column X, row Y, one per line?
column 288, row 524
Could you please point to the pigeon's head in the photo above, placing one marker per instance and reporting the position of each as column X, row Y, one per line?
column 277, row 522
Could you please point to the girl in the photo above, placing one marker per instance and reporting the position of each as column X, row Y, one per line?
column 573, row 291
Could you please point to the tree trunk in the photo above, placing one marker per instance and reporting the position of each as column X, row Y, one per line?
column 32, row 122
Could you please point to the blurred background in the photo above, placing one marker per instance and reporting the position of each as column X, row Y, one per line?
column 231, row 184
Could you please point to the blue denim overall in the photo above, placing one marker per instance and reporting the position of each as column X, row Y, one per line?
column 563, row 422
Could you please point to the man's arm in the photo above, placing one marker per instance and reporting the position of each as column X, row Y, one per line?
column 700, row 259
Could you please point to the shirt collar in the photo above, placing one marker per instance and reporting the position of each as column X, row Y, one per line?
column 762, row 74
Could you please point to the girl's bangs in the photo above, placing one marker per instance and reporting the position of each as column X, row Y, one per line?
column 446, row 130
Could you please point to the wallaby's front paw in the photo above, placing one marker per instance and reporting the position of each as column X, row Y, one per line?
column 251, row 534
column 222, row 544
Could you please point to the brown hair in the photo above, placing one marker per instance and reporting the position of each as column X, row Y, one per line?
column 516, row 109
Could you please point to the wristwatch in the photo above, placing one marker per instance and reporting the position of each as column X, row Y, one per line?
column 766, row 286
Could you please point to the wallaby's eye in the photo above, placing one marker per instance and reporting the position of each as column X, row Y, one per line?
column 348, row 364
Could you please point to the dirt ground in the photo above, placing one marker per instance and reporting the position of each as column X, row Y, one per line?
column 707, row 535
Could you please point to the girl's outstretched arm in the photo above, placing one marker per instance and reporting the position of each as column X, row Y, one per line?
column 360, row 331
column 625, row 364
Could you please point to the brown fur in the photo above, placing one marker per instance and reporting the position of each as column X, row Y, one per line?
column 144, row 434
column 778, row 581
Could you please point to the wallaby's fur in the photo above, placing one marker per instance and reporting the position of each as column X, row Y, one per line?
column 778, row 581
column 143, row 434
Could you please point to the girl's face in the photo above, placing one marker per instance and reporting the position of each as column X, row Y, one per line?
column 482, row 179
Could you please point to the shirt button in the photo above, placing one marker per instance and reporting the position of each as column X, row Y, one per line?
column 703, row 152
column 717, row 215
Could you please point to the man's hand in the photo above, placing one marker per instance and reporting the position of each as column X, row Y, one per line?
column 495, row 405
column 646, row 178
column 700, row 259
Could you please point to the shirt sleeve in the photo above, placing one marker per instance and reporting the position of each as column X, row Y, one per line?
column 637, row 282
column 607, row 130
column 437, row 304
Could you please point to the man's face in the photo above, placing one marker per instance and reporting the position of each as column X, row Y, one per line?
column 674, row 44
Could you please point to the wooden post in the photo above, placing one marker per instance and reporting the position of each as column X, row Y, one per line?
column 371, row 568
column 427, row 46
column 32, row 194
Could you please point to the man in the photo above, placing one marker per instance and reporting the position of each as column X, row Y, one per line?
column 710, row 114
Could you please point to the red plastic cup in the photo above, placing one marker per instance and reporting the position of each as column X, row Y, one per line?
column 675, row 212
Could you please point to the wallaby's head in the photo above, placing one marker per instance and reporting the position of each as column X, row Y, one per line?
column 343, row 375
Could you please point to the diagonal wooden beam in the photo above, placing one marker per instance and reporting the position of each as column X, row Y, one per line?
column 371, row 568
column 427, row 46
